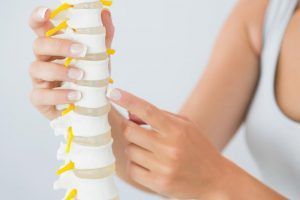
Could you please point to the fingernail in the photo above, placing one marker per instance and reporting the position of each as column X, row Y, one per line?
column 74, row 96
column 75, row 74
column 78, row 50
column 41, row 13
column 114, row 94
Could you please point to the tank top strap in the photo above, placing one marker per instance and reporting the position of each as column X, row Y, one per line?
column 272, row 137
column 278, row 15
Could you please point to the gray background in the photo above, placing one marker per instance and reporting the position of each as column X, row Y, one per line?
column 167, row 41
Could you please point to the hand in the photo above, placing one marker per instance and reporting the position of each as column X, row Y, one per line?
column 47, row 75
column 174, row 158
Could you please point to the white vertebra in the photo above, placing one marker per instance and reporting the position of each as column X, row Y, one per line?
column 87, row 157
column 88, row 189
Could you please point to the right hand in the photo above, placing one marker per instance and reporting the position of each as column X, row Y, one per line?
column 46, row 75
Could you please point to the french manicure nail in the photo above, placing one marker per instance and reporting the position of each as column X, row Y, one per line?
column 74, row 96
column 78, row 50
column 75, row 74
column 41, row 13
column 114, row 94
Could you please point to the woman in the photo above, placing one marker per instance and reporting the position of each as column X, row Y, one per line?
column 252, row 78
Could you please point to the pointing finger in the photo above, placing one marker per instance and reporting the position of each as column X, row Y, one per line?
column 45, row 47
column 142, row 109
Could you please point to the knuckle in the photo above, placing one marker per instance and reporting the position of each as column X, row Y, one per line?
column 132, row 171
column 149, row 110
column 169, row 171
column 127, row 131
column 128, row 101
column 36, row 45
column 180, row 130
column 164, row 185
column 164, row 119
column 32, row 68
column 174, row 154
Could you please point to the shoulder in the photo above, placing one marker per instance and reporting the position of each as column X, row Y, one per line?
column 251, row 14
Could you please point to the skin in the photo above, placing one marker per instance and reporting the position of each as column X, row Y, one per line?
column 287, row 82
column 180, row 156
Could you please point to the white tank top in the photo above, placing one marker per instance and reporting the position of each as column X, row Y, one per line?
column 273, row 138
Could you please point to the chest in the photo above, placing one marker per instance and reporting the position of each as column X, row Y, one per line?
column 272, row 134
column 287, row 80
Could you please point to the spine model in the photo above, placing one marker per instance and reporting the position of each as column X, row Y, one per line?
column 89, row 163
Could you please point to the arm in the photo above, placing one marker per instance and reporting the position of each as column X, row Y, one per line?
column 175, row 158
column 119, row 124
column 221, row 98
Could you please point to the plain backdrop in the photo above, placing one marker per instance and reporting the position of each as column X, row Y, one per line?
column 162, row 48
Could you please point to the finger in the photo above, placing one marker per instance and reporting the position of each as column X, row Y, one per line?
column 40, row 84
column 142, row 109
column 108, row 24
column 177, row 116
column 141, row 137
column 140, row 175
column 136, row 119
column 43, row 97
column 49, row 71
column 45, row 47
column 141, row 157
column 39, row 20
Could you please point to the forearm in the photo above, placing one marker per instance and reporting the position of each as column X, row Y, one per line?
column 118, row 124
column 236, row 183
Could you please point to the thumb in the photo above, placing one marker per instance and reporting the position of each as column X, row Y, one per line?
column 108, row 24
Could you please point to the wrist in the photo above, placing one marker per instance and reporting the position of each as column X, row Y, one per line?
column 235, row 183
column 222, row 184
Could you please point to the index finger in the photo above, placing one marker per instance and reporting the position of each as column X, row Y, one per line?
column 142, row 109
column 40, row 20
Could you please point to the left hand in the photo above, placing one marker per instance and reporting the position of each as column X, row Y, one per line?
column 47, row 76
column 174, row 158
